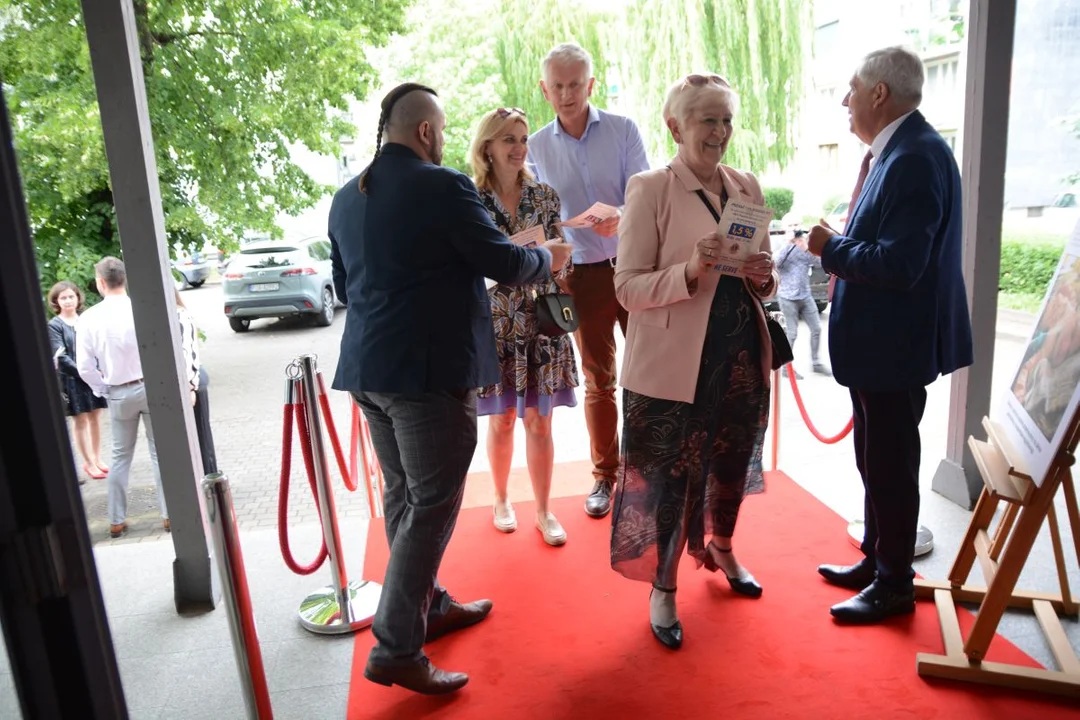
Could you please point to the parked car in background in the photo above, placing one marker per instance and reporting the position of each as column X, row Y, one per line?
column 192, row 267
column 273, row 278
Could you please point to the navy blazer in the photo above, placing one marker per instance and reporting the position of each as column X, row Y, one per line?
column 899, row 315
column 410, row 258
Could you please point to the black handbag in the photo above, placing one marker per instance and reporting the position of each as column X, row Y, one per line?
column 782, row 354
column 556, row 313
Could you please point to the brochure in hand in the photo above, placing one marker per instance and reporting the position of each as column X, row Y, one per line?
column 742, row 229
column 528, row 238
column 596, row 214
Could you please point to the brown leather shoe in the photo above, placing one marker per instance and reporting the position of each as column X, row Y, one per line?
column 167, row 526
column 116, row 531
column 457, row 617
column 423, row 677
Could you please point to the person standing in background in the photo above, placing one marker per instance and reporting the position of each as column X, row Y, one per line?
column 588, row 155
column 82, row 405
column 794, row 263
column 198, row 385
column 108, row 361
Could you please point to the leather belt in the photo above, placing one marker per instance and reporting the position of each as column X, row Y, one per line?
column 131, row 382
column 610, row 262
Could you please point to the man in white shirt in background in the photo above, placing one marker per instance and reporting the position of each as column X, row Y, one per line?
column 108, row 361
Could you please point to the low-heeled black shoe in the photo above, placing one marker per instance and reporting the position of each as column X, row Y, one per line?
column 669, row 637
column 874, row 604
column 853, row 577
column 747, row 586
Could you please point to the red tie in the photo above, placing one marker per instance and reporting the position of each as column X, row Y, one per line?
column 864, row 170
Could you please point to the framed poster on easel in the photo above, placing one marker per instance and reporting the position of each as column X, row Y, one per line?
column 1025, row 460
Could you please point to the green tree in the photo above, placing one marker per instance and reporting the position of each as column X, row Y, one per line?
column 521, row 47
column 756, row 44
column 232, row 85
column 449, row 46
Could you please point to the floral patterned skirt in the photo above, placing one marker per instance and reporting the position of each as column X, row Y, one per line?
column 537, row 371
column 687, row 466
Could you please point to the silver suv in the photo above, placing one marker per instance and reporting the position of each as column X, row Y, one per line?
column 271, row 278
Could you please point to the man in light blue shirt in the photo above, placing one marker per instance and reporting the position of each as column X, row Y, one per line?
column 588, row 155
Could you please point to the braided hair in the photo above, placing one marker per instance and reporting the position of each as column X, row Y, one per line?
column 386, row 108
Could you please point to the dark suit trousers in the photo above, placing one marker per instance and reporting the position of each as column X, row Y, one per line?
column 425, row 444
column 887, row 453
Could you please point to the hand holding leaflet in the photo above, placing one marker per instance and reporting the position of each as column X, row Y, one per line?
column 598, row 213
column 528, row 238
column 741, row 230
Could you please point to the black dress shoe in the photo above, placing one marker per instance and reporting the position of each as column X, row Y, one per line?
column 457, row 617
column 852, row 577
column 745, row 585
column 422, row 677
column 874, row 604
column 598, row 504
column 669, row 637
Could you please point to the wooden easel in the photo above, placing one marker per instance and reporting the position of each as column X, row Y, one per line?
column 1001, row 555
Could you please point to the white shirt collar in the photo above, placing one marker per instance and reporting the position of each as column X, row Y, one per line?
column 878, row 146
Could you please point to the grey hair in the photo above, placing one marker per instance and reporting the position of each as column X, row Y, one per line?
column 565, row 54
column 111, row 270
column 897, row 67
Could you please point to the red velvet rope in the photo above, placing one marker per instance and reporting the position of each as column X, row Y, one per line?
column 283, row 494
column 806, row 417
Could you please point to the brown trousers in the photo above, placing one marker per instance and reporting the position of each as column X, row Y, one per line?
column 593, row 288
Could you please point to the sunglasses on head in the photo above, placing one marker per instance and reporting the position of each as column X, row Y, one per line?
column 698, row 80
column 507, row 112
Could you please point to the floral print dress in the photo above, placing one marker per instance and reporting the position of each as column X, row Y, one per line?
column 687, row 466
column 537, row 371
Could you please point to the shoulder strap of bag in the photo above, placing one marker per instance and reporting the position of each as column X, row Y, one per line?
column 704, row 199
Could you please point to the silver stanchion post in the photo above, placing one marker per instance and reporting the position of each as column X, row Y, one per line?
column 344, row 606
column 234, row 584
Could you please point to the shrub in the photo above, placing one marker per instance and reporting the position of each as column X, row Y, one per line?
column 779, row 200
column 1026, row 267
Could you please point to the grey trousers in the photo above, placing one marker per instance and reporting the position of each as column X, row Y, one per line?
column 127, row 403
column 807, row 310
column 425, row 444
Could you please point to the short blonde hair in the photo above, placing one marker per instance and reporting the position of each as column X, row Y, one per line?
column 689, row 93
column 492, row 125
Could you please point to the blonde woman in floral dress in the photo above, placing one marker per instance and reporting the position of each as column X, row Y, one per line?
column 539, row 373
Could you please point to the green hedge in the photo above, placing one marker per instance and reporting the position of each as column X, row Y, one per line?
column 779, row 200
column 1027, row 268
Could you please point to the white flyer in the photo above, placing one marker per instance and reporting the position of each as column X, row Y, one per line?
column 527, row 238
column 530, row 237
column 598, row 213
column 741, row 230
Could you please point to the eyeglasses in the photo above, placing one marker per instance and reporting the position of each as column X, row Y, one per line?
column 507, row 112
column 698, row 80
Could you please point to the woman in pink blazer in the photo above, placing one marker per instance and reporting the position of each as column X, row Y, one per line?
column 697, row 362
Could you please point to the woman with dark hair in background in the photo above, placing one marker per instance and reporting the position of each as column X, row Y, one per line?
column 81, row 404
column 198, row 381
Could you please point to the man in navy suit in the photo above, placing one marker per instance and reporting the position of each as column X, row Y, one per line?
column 411, row 246
column 899, row 316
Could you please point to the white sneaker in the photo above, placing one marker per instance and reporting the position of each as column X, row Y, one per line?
column 505, row 520
column 550, row 528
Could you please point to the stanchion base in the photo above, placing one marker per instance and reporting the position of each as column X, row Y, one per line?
column 319, row 612
column 924, row 539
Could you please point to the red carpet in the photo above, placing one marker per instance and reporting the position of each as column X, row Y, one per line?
column 569, row 638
